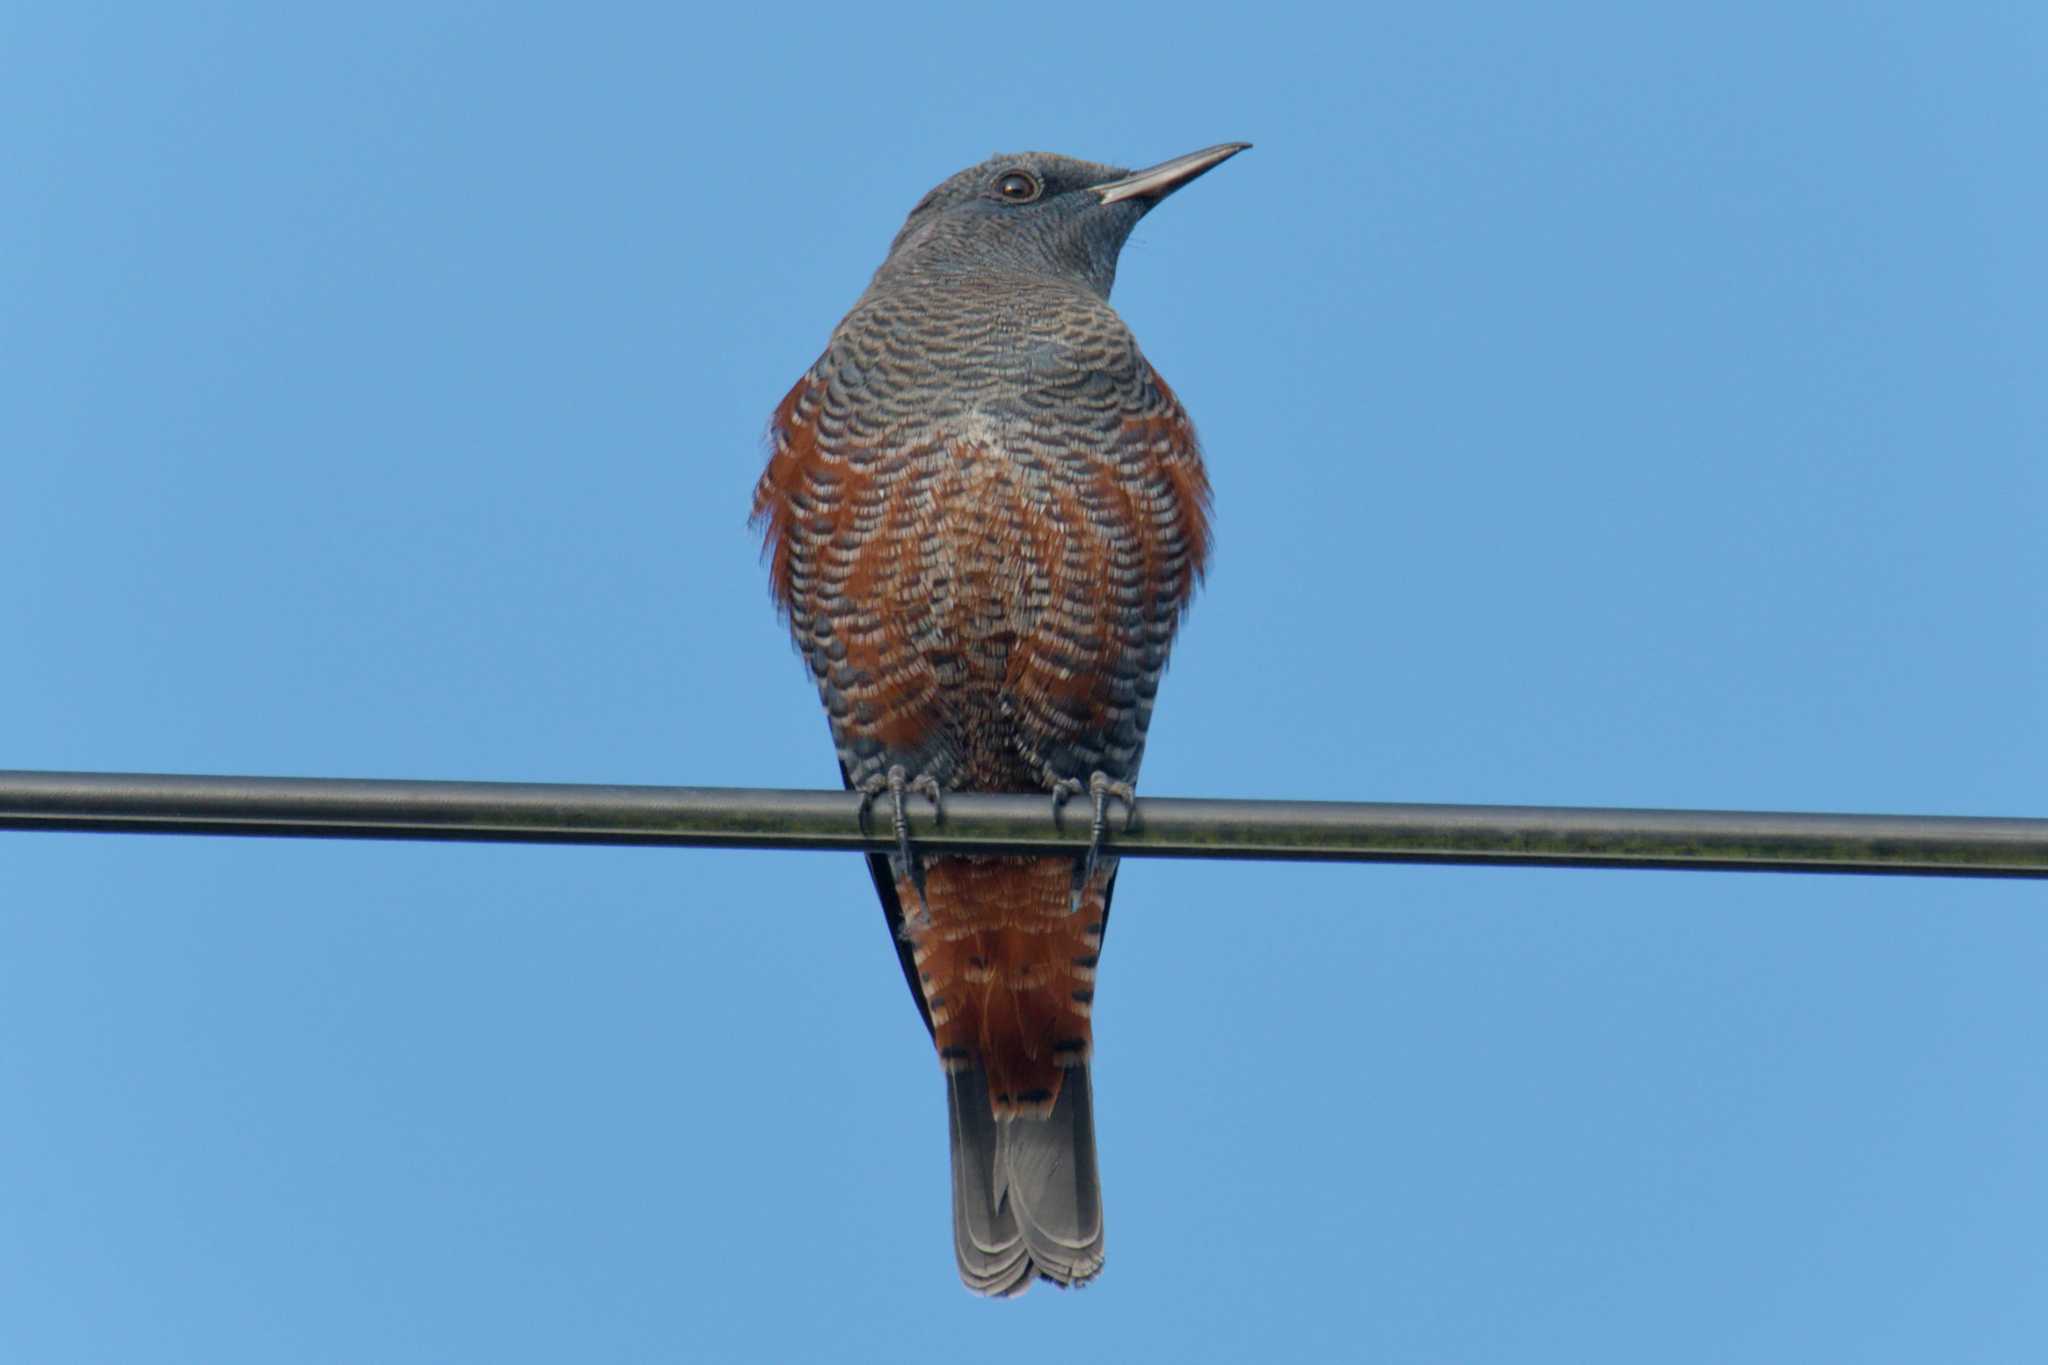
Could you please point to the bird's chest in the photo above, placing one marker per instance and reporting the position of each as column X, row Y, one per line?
column 1000, row 532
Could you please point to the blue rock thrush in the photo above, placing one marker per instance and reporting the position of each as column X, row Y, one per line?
column 985, row 514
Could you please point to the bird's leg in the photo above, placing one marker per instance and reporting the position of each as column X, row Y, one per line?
column 927, row 786
column 1101, row 786
column 897, row 782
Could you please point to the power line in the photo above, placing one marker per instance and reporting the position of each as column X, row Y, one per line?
column 1166, row 827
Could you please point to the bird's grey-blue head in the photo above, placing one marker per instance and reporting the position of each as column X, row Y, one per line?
column 1035, row 213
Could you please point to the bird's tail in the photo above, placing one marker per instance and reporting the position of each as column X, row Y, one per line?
column 1026, row 1199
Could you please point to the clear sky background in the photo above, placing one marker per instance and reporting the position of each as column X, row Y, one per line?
column 1607, row 404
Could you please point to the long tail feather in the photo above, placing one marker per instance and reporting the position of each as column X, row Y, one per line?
column 1027, row 1199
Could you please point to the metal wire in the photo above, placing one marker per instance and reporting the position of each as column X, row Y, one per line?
column 1165, row 827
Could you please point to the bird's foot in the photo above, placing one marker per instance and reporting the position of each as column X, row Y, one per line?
column 898, row 783
column 1101, row 786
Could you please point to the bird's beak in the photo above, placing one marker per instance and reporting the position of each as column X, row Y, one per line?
column 1156, row 182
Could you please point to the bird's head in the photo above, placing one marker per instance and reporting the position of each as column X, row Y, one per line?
column 1039, row 214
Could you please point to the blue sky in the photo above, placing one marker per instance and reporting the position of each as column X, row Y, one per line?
column 1606, row 404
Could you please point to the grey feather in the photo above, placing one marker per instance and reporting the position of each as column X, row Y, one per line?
column 991, row 1252
column 1026, row 1196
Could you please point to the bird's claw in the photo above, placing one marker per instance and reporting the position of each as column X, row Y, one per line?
column 899, row 783
column 1100, row 786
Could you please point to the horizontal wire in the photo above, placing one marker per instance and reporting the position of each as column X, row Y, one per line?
column 1164, row 827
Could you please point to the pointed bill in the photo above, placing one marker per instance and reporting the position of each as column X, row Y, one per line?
column 1156, row 182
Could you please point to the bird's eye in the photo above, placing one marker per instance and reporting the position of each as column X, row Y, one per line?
column 1017, row 187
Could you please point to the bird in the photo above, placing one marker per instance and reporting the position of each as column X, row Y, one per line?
column 984, row 515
